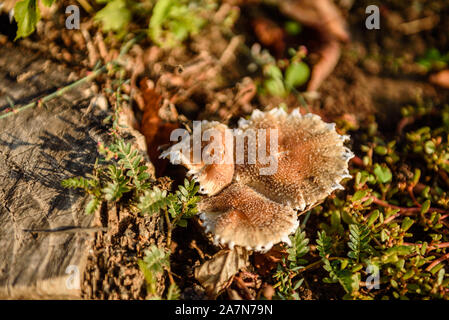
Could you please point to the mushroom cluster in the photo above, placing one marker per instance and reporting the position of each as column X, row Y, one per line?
column 246, row 208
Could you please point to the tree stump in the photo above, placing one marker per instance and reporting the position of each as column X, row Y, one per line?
column 45, row 235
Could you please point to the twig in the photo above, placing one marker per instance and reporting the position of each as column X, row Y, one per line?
column 430, row 247
column 316, row 264
column 55, row 94
column 198, row 250
column 75, row 84
column 169, row 227
column 437, row 261
column 402, row 210
column 66, row 229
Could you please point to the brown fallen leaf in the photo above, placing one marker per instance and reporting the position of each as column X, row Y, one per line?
column 440, row 79
column 156, row 131
column 265, row 263
column 269, row 34
column 214, row 274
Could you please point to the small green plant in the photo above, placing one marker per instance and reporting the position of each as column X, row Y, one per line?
column 170, row 21
column 174, row 20
column 385, row 236
column 121, row 176
column 178, row 206
column 153, row 266
column 434, row 60
column 111, row 182
column 280, row 84
column 115, row 15
column 288, row 271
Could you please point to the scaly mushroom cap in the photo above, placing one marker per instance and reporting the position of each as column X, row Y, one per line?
column 254, row 210
column 239, row 215
column 311, row 159
column 212, row 177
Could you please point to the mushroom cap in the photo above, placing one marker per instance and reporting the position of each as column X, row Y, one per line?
column 255, row 210
column 239, row 215
column 311, row 159
column 212, row 177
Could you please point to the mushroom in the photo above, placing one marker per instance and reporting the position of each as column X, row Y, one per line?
column 249, row 208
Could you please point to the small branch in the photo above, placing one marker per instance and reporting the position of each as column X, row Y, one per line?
column 91, row 76
column 412, row 195
column 437, row 261
column 403, row 123
column 402, row 210
column 430, row 247
column 316, row 264
column 55, row 94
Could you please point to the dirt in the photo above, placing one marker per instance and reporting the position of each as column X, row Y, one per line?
column 112, row 271
column 375, row 77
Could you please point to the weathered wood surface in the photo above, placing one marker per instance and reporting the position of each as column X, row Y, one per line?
column 39, row 148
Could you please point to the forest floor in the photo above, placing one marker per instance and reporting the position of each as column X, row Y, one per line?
column 380, row 93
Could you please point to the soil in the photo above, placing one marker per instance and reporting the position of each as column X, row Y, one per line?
column 375, row 77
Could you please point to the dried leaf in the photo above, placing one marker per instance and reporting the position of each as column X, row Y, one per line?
column 270, row 34
column 267, row 262
column 156, row 131
column 215, row 273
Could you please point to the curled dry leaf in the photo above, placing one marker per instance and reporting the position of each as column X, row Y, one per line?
column 156, row 131
column 215, row 273
column 270, row 35
column 266, row 263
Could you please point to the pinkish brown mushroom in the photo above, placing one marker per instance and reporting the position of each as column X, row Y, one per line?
column 252, row 208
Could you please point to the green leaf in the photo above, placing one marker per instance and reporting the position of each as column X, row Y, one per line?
column 182, row 223
column 275, row 87
column 173, row 292
column 349, row 281
column 115, row 16
column 299, row 245
column 152, row 266
column 153, row 201
column 172, row 21
column 92, row 205
column 297, row 74
column 383, row 174
column 407, row 223
column 425, row 207
column 324, row 244
column 373, row 217
column 359, row 195
column 26, row 14
column 429, row 147
column 273, row 71
column 381, row 150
